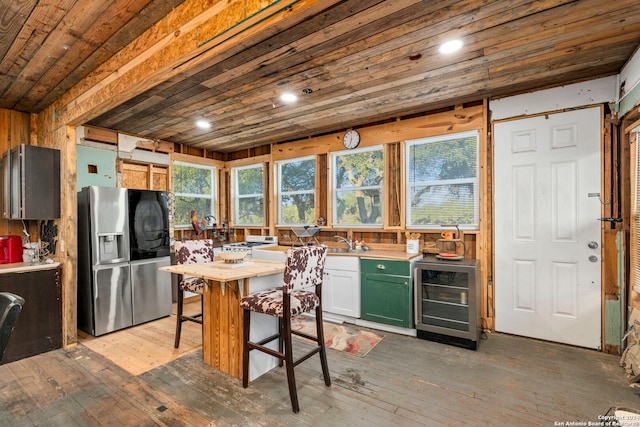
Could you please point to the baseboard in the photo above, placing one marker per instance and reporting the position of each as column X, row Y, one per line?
column 386, row 328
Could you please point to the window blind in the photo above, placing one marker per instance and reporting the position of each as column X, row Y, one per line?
column 635, row 223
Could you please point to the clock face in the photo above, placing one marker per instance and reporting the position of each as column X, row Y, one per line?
column 351, row 139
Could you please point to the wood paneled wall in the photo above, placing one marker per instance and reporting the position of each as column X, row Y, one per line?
column 391, row 135
column 15, row 129
column 19, row 128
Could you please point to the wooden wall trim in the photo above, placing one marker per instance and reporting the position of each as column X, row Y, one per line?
column 484, row 239
column 629, row 128
column 454, row 121
column 187, row 158
column 65, row 138
column 628, row 124
column 266, row 158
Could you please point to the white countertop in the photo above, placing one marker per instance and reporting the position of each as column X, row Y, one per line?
column 23, row 267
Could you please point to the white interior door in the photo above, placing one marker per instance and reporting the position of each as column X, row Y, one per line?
column 547, row 275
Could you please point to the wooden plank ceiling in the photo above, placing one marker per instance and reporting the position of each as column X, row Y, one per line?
column 46, row 47
column 354, row 63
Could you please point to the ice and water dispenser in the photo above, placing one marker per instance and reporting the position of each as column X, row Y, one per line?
column 111, row 248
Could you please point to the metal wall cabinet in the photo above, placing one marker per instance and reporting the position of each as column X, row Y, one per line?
column 31, row 183
column 447, row 301
column 386, row 291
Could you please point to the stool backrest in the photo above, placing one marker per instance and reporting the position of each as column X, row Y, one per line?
column 10, row 307
column 193, row 251
column 304, row 267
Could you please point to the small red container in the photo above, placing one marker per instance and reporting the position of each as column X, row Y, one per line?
column 10, row 249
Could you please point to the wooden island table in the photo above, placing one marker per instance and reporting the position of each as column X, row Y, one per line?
column 223, row 318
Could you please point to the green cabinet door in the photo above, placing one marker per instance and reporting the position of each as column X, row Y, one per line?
column 386, row 298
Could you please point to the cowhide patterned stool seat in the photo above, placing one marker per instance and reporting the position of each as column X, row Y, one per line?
column 301, row 292
column 190, row 252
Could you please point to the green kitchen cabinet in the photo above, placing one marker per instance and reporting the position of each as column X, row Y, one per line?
column 386, row 292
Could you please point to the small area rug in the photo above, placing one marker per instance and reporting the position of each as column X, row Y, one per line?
column 340, row 337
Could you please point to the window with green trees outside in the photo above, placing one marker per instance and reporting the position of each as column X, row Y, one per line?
column 248, row 184
column 193, row 188
column 296, row 191
column 442, row 181
column 358, row 178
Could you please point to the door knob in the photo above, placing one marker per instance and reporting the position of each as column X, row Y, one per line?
column 593, row 258
column 593, row 245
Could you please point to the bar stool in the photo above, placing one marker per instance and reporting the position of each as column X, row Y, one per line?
column 304, row 270
column 10, row 308
column 190, row 252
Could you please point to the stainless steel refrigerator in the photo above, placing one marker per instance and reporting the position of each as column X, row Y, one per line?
column 116, row 290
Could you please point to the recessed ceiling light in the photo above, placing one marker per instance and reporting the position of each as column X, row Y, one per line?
column 203, row 124
column 288, row 97
column 451, row 46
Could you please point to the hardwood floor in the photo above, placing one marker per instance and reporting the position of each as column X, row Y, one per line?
column 150, row 345
column 403, row 381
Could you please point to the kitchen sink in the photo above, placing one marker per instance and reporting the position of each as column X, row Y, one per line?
column 342, row 251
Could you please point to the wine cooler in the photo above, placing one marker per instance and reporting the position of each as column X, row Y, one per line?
column 448, row 301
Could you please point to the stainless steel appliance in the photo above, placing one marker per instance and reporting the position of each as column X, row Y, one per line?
column 150, row 249
column 31, row 183
column 448, row 301
column 252, row 242
column 115, row 290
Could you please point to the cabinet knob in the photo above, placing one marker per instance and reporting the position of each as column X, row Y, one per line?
column 380, row 267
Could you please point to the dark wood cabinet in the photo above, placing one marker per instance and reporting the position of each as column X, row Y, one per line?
column 39, row 326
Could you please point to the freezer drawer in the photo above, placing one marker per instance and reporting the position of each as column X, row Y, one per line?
column 111, row 299
column 151, row 290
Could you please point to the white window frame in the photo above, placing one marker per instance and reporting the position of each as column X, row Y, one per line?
column 280, row 193
column 381, row 187
column 237, row 197
column 214, row 190
column 474, row 180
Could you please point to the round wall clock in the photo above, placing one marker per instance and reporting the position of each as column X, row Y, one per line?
column 351, row 139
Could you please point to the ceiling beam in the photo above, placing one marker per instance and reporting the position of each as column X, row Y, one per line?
column 186, row 38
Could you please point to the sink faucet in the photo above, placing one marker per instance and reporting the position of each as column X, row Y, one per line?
column 348, row 242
